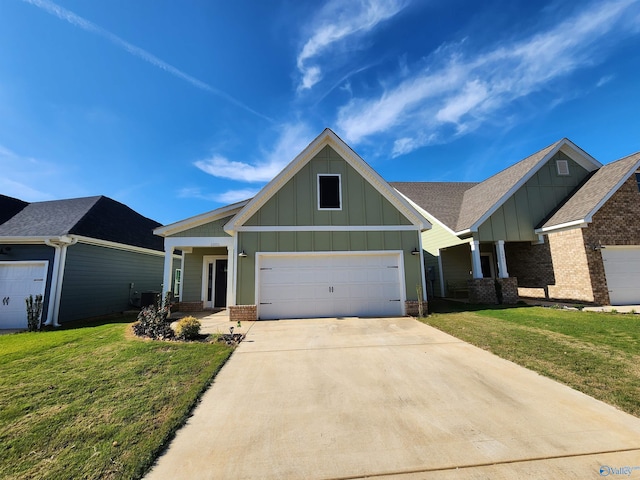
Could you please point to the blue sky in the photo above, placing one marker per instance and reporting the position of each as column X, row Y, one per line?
column 176, row 107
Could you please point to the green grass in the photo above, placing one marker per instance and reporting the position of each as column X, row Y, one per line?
column 596, row 353
column 94, row 402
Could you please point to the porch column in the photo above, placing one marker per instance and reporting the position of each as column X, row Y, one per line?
column 168, row 270
column 475, row 259
column 231, row 268
column 502, row 260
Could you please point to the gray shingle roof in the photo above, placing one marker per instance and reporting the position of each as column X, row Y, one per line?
column 95, row 217
column 485, row 195
column 441, row 199
column 9, row 206
column 594, row 192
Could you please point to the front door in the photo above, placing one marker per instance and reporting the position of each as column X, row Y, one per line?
column 215, row 282
column 220, row 284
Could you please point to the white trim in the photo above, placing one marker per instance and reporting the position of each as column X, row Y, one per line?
column 321, row 209
column 423, row 273
column 562, row 167
column 117, row 246
column 430, row 218
column 46, row 296
column 327, row 137
column 178, row 242
column 198, row 220
column 441, row 273
column 562, row 226
column 503, row 272
column 206, row 261
column 329, row 228
column 476, row 264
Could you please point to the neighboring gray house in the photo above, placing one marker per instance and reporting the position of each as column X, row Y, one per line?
column 87, row 256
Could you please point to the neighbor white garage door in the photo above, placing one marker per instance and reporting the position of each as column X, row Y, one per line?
column 330, row 285
column 622, row 269
column 18, row 280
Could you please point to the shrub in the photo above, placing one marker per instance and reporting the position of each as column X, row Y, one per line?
column 188, row 328
column 153, row 323
column 34, row 310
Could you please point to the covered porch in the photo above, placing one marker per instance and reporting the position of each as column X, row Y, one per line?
column 478, row 271
column 207, row 278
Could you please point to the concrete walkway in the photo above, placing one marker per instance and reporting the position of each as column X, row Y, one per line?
column 390, row 398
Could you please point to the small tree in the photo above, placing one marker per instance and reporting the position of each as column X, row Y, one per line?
column 34, row 311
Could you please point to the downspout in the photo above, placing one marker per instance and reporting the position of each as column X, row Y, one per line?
column 58, row 276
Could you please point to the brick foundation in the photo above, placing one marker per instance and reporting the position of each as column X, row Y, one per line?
column 412, row 308
column 243, row 313
column 188, row 307
column 483, row 290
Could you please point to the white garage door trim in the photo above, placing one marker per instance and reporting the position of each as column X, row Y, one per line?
column 622, row 271
column 331, row 291
column 13, row 311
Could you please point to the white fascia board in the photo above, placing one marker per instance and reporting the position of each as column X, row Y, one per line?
column 201, row 219
column 579, row 156
column 63, row 239
column 118, row 246
column 194, row 242
column 328, row 228
column 429, row 217
column 582, row 223
column 327, row 137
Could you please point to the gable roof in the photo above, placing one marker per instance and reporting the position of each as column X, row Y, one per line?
column 441, row 200
column 95, row 217
column 592, row 194
column 9, row 206
column 203, row 218
column 327, row 137
column 484, row 199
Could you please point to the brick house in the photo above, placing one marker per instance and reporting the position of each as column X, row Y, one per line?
column 557, row 225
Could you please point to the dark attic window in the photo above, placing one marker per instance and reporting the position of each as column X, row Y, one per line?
column 329, row 192
column 638, row 180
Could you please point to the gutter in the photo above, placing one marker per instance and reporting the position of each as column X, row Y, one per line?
column 60, row 245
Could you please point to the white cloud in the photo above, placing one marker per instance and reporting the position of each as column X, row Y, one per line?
column 293, row 138
column 22, row 177
column 337, row 21
column 83, row 23
column 230, row 196
column 457, row 91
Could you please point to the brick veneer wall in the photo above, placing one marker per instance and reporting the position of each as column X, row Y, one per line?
column 571, row 267
column 532, row 265
column 412, row 308
column 243, row 313
column 483, row 290
column 616, row 223
column 189, row 307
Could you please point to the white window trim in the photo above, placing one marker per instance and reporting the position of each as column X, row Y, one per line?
column 339, row 190
column 562, row 167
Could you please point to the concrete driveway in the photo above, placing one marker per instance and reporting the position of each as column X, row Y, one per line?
column 390, row 398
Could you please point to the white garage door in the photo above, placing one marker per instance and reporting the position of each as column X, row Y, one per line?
column 622, row 269
column 330, row 285
column 18, row 280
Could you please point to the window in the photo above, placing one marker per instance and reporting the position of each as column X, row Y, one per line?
column 563, row 167
column 177, row 282
column 329, row 192
column 638, row 180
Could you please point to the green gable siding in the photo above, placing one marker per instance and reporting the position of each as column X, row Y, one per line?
column 516, row 219
column 252, row 242
column 96, row 280
column 211, row 229
column 296, row 204
column 432, row 241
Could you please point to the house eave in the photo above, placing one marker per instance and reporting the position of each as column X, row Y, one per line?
column 582, row 223
column 198, row 220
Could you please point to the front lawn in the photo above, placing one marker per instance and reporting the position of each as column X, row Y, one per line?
column 95, row 402
column 596, row 353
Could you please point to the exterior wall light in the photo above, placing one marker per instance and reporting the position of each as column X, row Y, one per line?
column 415, row 251
column 242, row 254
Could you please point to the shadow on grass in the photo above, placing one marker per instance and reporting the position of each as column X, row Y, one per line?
column 96, row 321
column 442, row 305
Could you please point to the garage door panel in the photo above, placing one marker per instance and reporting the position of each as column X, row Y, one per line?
column 622, row 271
column 299, row 286
column 18, row 281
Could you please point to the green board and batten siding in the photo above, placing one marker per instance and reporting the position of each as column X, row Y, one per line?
column 211, row 229
column 295, row 205
column 192, row 272
column 516, row 219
